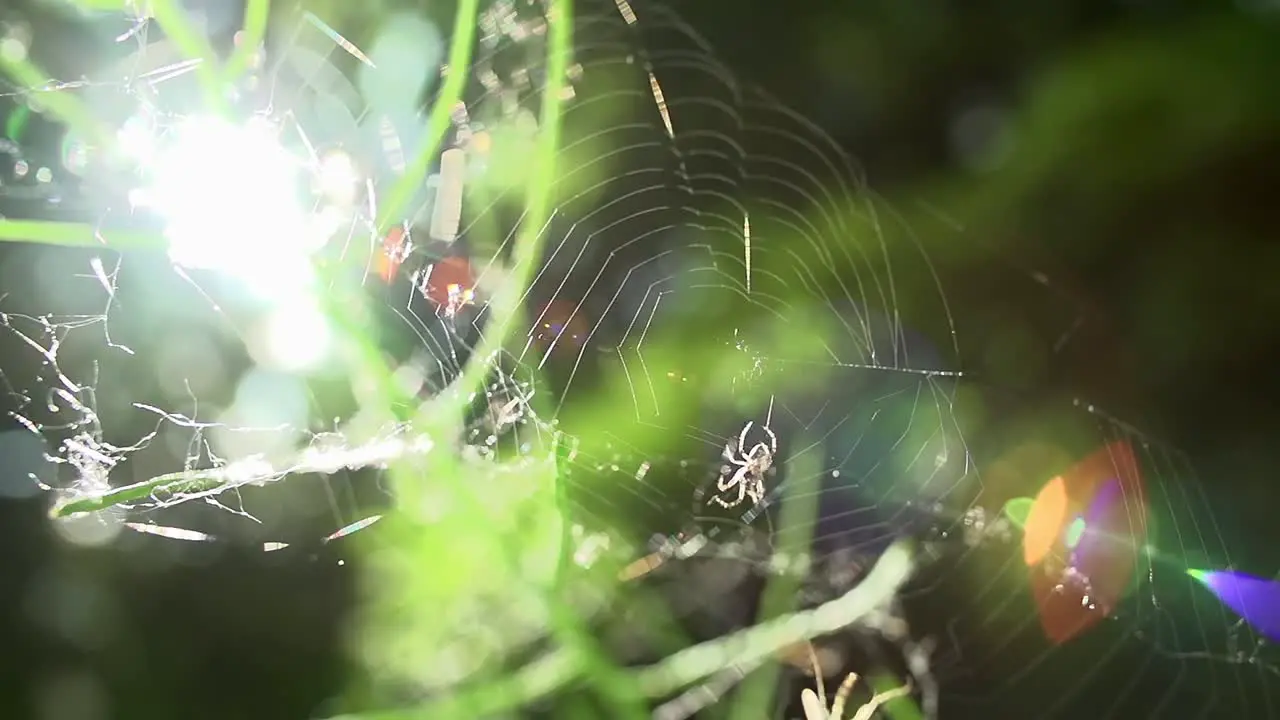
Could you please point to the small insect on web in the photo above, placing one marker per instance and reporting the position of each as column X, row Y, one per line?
column 752, row 467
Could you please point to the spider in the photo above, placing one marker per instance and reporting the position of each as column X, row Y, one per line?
column 815, row 705
column 504, row 412
column 752, row 466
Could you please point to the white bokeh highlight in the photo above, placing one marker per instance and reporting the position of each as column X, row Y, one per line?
column 230, row 198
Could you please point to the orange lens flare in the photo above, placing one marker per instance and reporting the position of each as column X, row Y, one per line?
column 449, row 282
column 1044, row 522
column 1084, row 583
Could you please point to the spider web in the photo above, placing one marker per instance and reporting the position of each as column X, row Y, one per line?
column 718, row 288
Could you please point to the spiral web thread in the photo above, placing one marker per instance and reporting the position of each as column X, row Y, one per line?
column 681, row 187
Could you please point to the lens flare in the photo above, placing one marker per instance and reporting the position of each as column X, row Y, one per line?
column 229, row 196
column 1044, row 521
column 1086, row 582
column 1255, row 599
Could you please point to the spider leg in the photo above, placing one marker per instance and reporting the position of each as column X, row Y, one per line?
column 742, row 486
column 742, row 436
column 724, row 483
column 773, row 439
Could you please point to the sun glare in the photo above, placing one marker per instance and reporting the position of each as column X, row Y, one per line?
column 230, row 197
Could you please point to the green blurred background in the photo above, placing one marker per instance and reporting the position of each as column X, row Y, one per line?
column 1094, row 181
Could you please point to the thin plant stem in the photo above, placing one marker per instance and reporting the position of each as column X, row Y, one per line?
column 81, row 235
column 795, row 539
column 686, row 667
column 65, row 106
column 256, row 15
column 171, row 18
column 248, row 472
column 745, row 648
column 458, row 71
